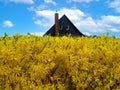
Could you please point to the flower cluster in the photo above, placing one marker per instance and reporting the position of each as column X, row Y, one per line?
column 29, row 62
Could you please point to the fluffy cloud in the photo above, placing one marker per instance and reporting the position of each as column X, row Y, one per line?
column 83, row 22
column 50, row 1
column 21, row 1
column 73, row 16
column 8, row 24
column 104, row 24
column 115, row 4
column 47, row 16
column 110, row 23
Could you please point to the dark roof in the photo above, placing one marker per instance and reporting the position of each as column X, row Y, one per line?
column 66, row 28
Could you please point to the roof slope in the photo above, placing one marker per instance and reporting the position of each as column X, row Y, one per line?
column 66, row 28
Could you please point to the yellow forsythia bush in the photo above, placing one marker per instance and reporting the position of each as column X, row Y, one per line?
column 29, row 62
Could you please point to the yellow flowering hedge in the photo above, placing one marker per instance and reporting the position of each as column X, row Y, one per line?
column 29, row 62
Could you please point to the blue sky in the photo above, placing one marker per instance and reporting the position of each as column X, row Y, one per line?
column 92, row 17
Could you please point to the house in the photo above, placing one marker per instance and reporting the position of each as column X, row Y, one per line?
column 62, row 27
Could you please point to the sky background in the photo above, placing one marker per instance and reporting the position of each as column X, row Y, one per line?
column 91, row 17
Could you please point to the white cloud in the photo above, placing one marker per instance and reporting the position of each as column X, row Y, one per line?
column 38, row 33
column 83, row 22
column 45, row 13
column 22, row 1
column 115, row 4
column 86, row 1
column 40, row 7
column 86, row 33
column 87, row 24
column 73, row 16
column 104, row 24
column 41, row 22
column 48, row 16
column 50, row 1
column 110, row 23
column 8, row 24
